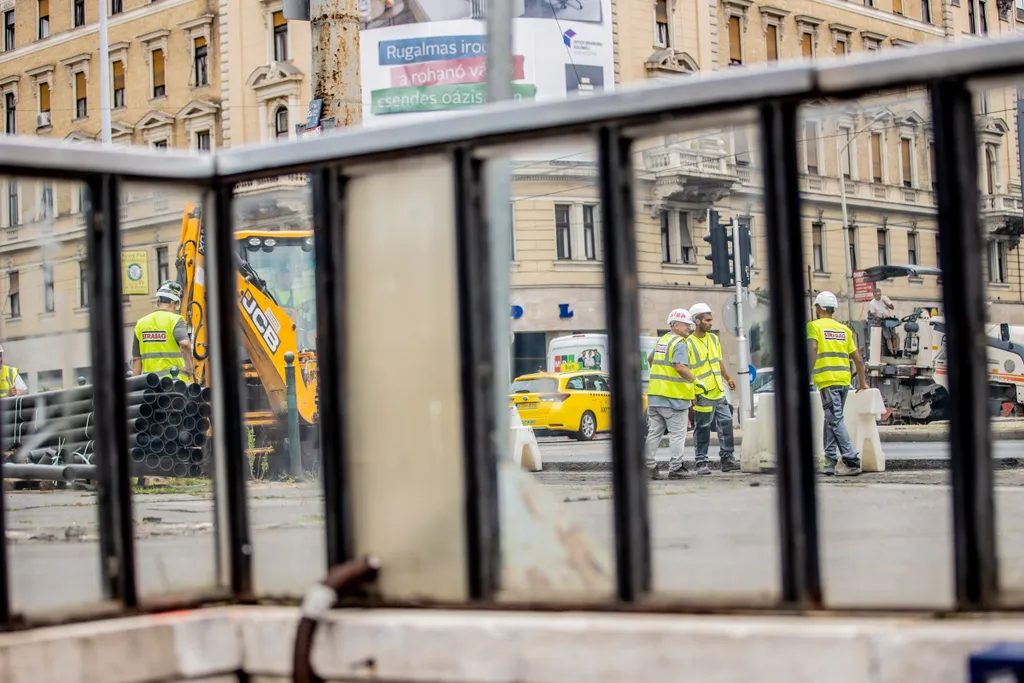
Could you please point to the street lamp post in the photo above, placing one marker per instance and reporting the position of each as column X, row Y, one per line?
column 105, row 132
column 846, row 221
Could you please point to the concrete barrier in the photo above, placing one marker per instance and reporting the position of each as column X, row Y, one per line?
column 757, row 449
column 524, row 446
column 863, row 409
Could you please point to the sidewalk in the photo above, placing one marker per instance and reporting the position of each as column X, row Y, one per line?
column 1002, row 430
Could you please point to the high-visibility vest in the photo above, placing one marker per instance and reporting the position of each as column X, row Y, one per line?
column 707, row 353
column 7, row 378
column 157, row 348
column 835, row 346
column 665, row 380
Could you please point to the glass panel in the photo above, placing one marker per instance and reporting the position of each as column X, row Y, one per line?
column 999, row 173
column 51, row 508
column 556, row 521
column 885, row 534
column 713, row 526
column 277, row 316
column 170, row 447
column 772, row 42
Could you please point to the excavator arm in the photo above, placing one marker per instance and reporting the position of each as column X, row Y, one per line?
column 267, row 331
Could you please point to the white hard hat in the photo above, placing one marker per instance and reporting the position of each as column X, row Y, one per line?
column 826, row 300
column 699, row 309
column 680, row 315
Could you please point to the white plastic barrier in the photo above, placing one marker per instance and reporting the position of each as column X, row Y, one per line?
column 757, row 451
column 525, row 449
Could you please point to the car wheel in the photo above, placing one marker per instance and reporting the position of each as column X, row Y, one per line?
column 588, row 427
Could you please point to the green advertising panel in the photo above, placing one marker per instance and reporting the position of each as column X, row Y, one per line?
column 439, row 97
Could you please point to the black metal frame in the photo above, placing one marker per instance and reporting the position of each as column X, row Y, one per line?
column 481, row 443
column 963, row 295
column 798, row 518
column 776, row 92
column 622, row 313
column 331, row 296
column 227, row 397
column 114, row 495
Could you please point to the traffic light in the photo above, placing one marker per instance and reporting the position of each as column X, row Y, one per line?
column 720, row 256
column 744, row 264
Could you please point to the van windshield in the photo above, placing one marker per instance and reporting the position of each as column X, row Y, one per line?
column 538, row 385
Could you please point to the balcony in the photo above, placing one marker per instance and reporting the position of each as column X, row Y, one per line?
column 1001, row 214
column 692, row 172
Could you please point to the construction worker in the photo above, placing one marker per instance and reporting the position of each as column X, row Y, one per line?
column 710, row 404
column 830, row 348
column 11, row 383
column 297, row 297
column 161, row 338
column 670, row 394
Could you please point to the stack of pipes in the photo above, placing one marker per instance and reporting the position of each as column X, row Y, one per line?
column 168, row 424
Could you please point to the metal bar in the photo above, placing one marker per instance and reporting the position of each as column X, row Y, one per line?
column 114, row 491
column 230, row 459
column 963, row 294
column 332, row 360
column 798, row 521
column 622, row 316
column 5, row 588
column 480, row 442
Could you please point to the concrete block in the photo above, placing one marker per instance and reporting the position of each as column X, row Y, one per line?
column 524, row 447
column 268, row 636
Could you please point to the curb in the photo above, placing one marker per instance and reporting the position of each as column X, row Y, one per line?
column 895, row 436
column 897, row 465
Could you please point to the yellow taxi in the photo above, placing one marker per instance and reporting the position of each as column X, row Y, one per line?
column 576, row 404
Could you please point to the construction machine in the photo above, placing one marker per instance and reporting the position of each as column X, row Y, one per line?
column 276, row 314
column 911, row 373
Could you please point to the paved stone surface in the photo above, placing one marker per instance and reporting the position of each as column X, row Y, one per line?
column 885, row 537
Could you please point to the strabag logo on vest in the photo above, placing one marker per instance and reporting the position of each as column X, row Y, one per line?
column 661, row 348
column 158, row 336
column 265, row 322
column 834, row 335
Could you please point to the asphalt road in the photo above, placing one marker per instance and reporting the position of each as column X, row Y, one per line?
column 885, row 537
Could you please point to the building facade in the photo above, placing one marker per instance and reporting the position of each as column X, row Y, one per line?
column 204, row 74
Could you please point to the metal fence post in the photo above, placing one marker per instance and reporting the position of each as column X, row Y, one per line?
column 116, row 525
column 622, row 313
column 798, row 513
column 294, row 454
column 963, row 297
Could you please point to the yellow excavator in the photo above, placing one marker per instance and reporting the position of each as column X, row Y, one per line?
column 276, row 313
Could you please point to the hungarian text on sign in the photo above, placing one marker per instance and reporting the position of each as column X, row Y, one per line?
column 430, row 49
column 449, row 72
column 439, row 97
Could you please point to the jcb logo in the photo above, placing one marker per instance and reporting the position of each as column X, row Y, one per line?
column 262, row 321
column 202, row 242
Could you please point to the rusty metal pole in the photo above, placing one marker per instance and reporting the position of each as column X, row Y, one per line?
column 334, row 26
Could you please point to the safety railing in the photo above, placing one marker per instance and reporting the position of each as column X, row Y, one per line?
column 613, row 121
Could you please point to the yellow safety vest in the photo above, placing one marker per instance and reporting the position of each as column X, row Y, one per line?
column 707, row 367
column 665, row 381
column 7, row 377
column 835, row 346
column 157, row 348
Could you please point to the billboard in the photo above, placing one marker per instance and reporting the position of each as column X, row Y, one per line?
column 423, row 58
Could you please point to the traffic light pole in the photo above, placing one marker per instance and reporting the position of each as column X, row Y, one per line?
column 742, row 344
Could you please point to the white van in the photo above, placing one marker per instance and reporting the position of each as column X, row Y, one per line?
column 590, row 352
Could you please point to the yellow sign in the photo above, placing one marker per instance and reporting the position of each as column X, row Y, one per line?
column 570, row 367
column 134, row 269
